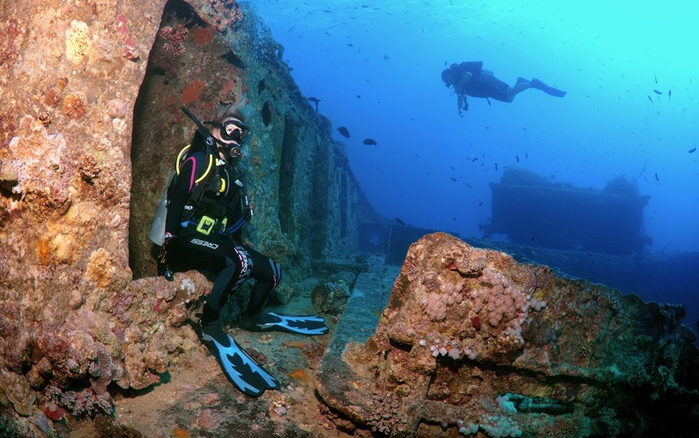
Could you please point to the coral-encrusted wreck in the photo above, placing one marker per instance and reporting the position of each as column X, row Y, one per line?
column 473, row 342
column 90, row 126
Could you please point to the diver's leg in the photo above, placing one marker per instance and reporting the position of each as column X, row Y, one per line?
column 521, row 85
column 268, row 274
column 237, row 270
column 240, row 369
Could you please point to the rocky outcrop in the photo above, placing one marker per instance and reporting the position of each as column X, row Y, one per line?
column 471, row 341
column 69, row 75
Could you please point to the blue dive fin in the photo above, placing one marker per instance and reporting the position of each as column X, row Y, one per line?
column 241, row 369
column 301, row 324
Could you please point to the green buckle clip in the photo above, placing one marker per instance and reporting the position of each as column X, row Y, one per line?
column 206, row 225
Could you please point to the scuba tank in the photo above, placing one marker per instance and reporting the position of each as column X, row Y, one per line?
column 157, row 228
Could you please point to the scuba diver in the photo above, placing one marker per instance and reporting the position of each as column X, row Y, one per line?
column 199, row 225
column 470, row 78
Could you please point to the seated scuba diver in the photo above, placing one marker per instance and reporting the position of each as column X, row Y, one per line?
column 471, row 79
column 206, row 207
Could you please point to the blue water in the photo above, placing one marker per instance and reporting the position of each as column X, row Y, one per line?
column 376, row 68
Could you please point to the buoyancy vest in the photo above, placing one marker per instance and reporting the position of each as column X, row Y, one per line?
column 217, row 201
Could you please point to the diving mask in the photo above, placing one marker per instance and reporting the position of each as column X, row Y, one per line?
column 232, row 132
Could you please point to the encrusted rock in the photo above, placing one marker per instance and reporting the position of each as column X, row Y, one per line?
column 330, row 298
column 485, row 344
column 18, row 391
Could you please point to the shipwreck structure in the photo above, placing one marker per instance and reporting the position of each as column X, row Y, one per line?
column 90, row 338
column 533, row 211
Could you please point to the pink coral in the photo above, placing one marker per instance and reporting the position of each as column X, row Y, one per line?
column 130, row 49
column 173, row 39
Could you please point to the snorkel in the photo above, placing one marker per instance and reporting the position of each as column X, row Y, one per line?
column 209, row 139
column 230, row 145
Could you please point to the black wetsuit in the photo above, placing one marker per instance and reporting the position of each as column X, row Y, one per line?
column 481, row 85
column 206, row 215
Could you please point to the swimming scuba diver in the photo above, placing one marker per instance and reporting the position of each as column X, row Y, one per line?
column 471, row 79
column 206, row 206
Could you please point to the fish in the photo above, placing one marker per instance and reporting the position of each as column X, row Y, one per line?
column 651, row 100
column 656, row 79
column 453, row 179
column 691, row 151
column 343, row 131
column 496, row 166
column 517, row 157
column 657, row 92
column 656, row 176
column 474, row 160
column 669, row 94
column 400, row 221
column 370, row 141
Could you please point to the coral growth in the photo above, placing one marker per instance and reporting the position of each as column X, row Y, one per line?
column 7, row 130
column 130, row 51
column 13, row 340
column 227, row 14
column 385, row 412
column 330, row 298
column 16, row 388
column 75, row 105
column 313, row 352
column 173, row 39
column 10, row 33
column 39, row 160
column 202, row 36
column 192, row 91
column 78, row 41
column 88, row 168
column 510, row 350
column 102, row 272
